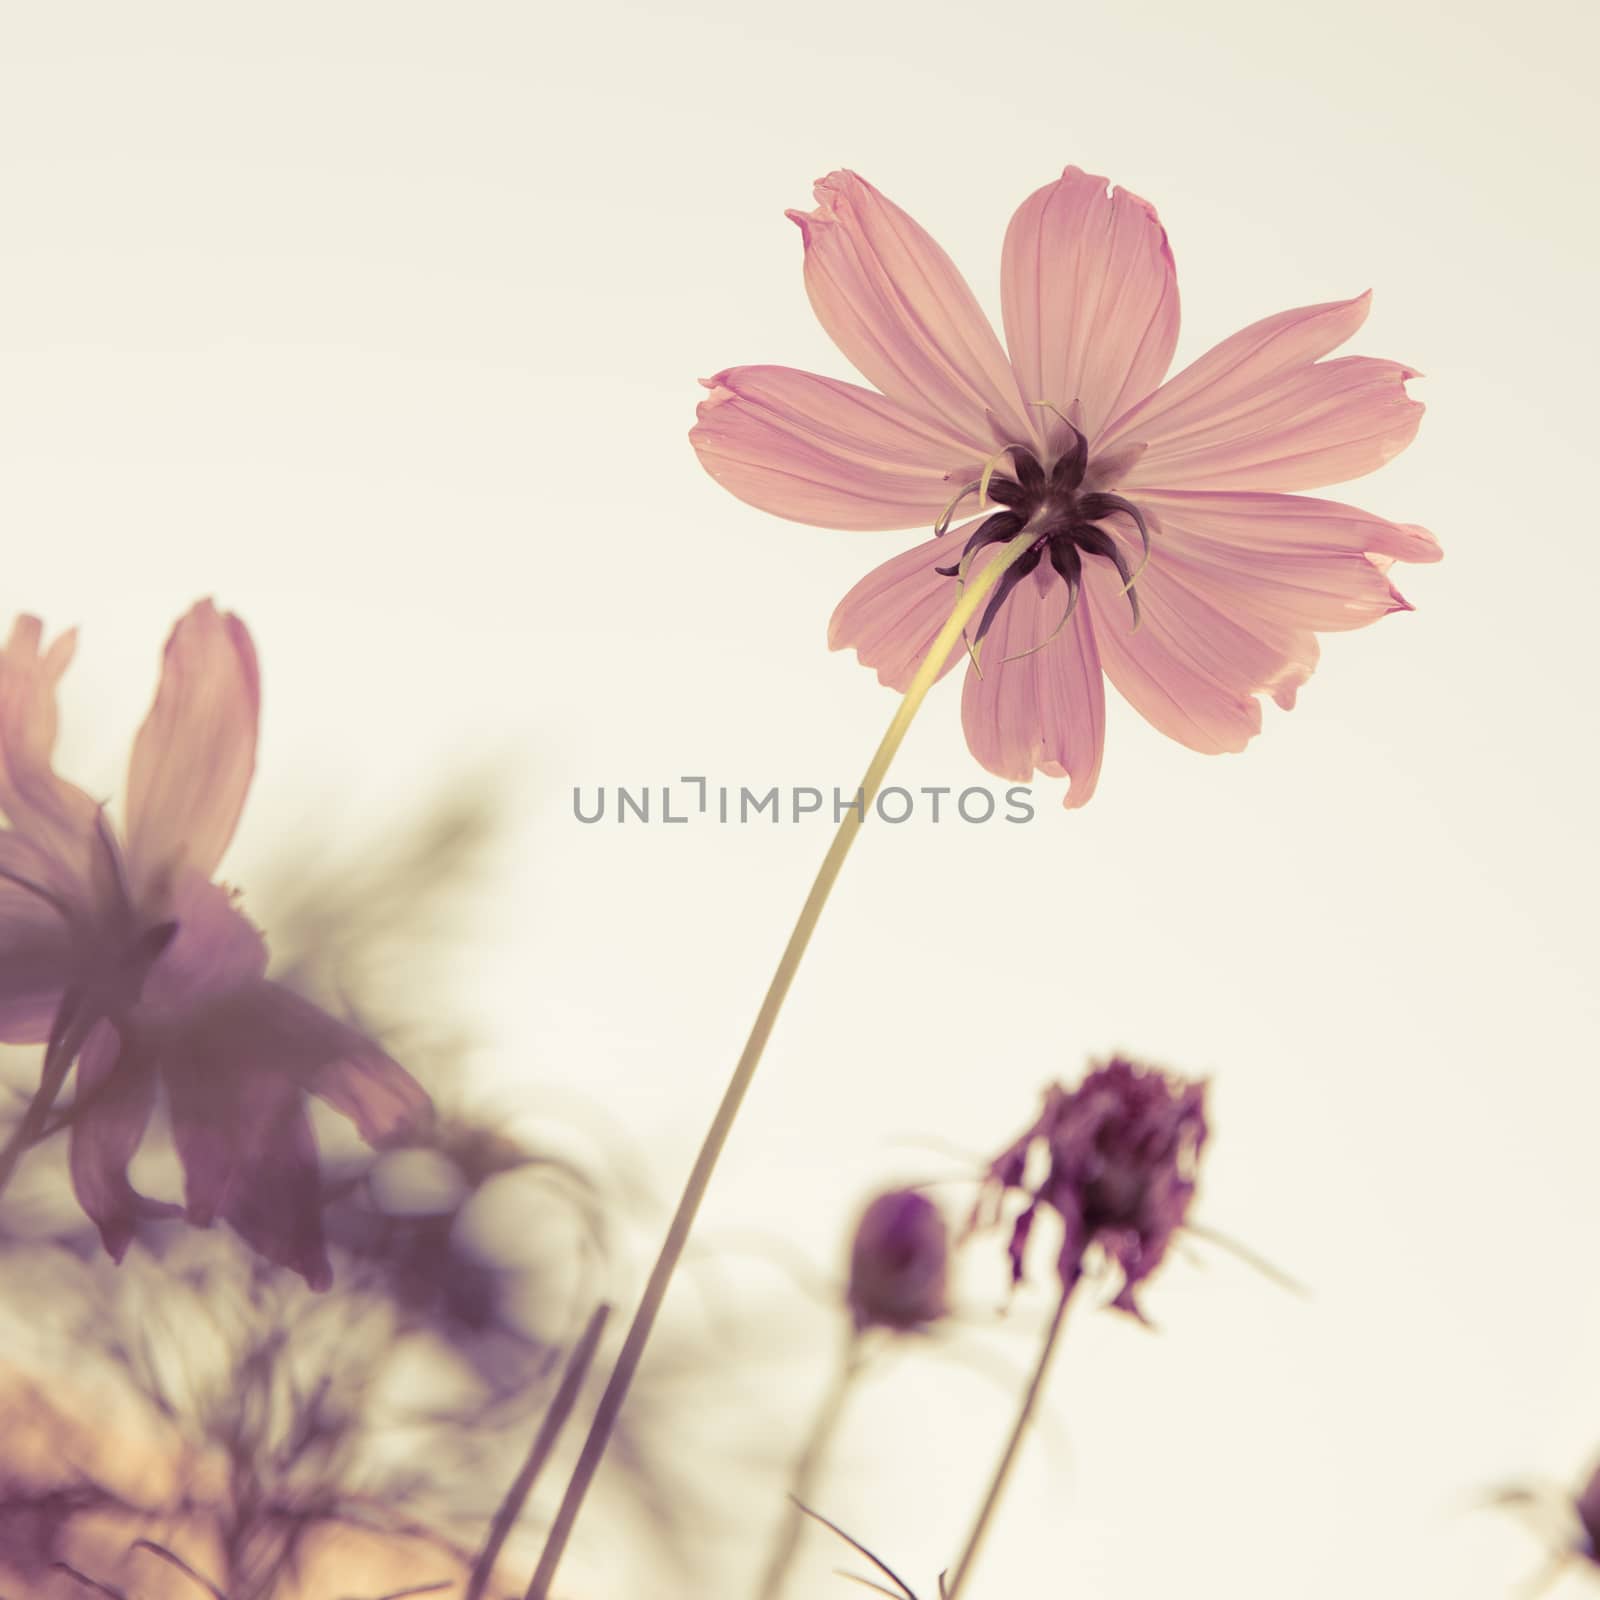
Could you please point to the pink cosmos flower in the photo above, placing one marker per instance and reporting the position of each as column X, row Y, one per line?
column 1166, row 549
column 129, row 960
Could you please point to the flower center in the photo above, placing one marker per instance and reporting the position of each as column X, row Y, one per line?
column 1061, row 521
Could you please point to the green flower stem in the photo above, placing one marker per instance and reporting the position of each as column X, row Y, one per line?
column 972, row 595
column 544, row 1442
column 808, row 1469
column 1008, row 1456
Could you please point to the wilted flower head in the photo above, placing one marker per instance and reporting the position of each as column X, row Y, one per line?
column 1163, row 548
column 899, row 1262
column 126, row 958
column 1118, row 1157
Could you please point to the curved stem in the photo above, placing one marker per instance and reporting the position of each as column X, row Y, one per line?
column 971, row 597
column 1008, row 1456
column 808, row 1468
column 544, row 1442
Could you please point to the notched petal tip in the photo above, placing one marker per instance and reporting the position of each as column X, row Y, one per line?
column 1422, row 546
column 839, row 185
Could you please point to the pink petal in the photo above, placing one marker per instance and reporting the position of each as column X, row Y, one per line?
column 194, row 756
column 828, row 453
column 1090, row 297
column 891, row 617
column 249, row 1155
column 264, row 1030
column 1045, row 710
column 1191, row 669
column 55, row 816
column 37, row 959
column 215, row 951
column 275, row 1202
column 1296, row 561
column 115, row 1095
column 1283, row 522
column 895, row 305
column 1261, row 411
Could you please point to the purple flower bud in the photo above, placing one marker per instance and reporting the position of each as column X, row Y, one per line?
column 1123, row 1150
column 899, row 1262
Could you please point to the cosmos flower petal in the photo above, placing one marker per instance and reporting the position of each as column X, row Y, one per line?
column 265, row 1030
column 1228, row 374
column 816, row 450
column 194, row 756
column 249, row 1156
column 1303, row 429
column 1190, row 670
column 902, row 314
column 1044, row 711
column 56, row 816
column 1273, row 524
column 116, row 1092
column 892, row 616
column 1261, row 410
column 1290, row 560
column 275, row 1201
column 1090, row 297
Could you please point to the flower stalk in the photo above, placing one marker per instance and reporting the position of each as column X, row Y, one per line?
column 1013, row 1445
column 971, row 596
column 544, row 1443
column 808, row 1469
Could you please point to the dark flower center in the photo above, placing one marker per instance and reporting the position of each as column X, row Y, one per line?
column 1059, row 519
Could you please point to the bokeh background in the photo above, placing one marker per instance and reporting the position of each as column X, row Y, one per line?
column 381, row 323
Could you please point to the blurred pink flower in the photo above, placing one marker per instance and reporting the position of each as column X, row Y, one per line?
column 130, row 960
column 1160, row 506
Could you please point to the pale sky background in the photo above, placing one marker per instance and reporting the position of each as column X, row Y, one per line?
column 381, row 322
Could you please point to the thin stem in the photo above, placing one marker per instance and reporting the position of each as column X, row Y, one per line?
column 1008, row 1456
column 971, row 597
column 550, row 1426
column 809, row 1467
column 66, row 1040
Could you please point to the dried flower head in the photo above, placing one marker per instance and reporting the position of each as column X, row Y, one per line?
column 899, row 1262
column 1118, row 1157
